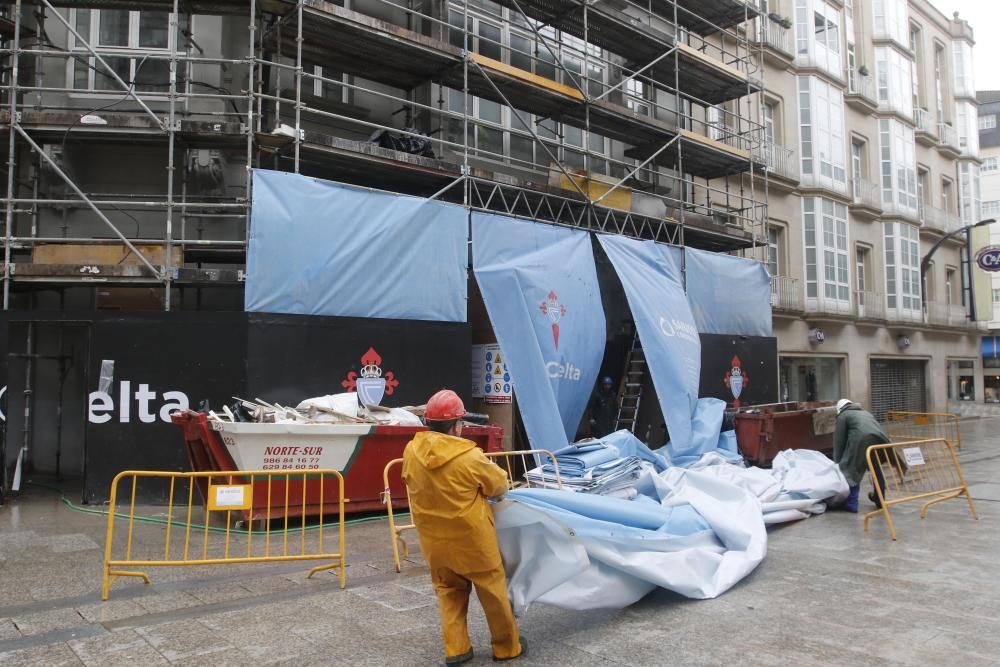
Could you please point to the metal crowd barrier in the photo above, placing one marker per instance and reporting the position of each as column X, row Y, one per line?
column 902, row 426
column 248, row 496
column 916, row 470
column 399, row 545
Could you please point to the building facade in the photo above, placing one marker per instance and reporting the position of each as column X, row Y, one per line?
column 834, row 140
column 989, row 151
column 871, row 107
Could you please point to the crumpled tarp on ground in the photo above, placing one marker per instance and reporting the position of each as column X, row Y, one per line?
column 696, row 531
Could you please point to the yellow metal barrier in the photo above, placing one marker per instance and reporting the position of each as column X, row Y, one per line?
column 508, row 459
column 250, row 496
column 916, row 470
column 901, row 426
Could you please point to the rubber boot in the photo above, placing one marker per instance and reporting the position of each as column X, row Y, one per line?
column 851, row 504
column 878, row 482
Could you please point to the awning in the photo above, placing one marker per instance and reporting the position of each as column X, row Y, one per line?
column 991, row 347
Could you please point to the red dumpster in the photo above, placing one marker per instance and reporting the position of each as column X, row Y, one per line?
column 362, row 452
column 764, row 430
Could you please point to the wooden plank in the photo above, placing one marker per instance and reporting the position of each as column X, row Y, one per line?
column 527, row 77
column 111, row 254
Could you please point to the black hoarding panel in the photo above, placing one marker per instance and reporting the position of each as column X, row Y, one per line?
column 741, row 370
column 390, row 362
column 172, row 360
column 153, row 364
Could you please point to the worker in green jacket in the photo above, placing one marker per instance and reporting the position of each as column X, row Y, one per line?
column 856, row 431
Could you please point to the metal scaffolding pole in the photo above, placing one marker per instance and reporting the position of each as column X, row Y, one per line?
column 171, row 126
column 11, row 155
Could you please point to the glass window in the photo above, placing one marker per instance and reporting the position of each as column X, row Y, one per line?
column 114, row 27
column 773, row 251
column 821, row 122
column 489, row 40
column 899, row 167
column 520, row 52
column 989, row 165
column 988, row 122
column 969, row 203
column 891, row 20
column 991, row 209
column 895, row 80
column 154, row 29
column 902, row 266
column 810, row 378
column 827, row 263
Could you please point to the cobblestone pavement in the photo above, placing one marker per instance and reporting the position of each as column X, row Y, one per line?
column 826, row 594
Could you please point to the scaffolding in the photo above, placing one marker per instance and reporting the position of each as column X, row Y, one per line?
column 626, row 117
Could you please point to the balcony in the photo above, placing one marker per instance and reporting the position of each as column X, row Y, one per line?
column 780, row 162
column 926, row 128
column 904, row 316
column 869, row 305
column 836, row 308
column 948, row 139
column 786, row 294
column 775, row 38
column 861, row 92
column 948, row 315
column 938, row 220
column 866, row 198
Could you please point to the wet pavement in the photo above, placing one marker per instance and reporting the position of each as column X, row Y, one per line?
column 827, row 593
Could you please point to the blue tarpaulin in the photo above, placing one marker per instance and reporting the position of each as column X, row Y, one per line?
column 539, row 284
column 991, row 347
column 653, row 286
column 728, row 295
column 321, row 248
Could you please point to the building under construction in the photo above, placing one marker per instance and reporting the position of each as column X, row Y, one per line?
column 132, row 129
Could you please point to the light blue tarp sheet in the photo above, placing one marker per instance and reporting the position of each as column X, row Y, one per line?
column 651, row 276
column 321, row 248
column 539, row 284
column 696, row 535
column 728, row 295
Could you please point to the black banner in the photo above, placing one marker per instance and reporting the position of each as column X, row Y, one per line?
column 140, row 367
column 741, row 370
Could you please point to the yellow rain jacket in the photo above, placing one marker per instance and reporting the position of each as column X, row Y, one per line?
column 449, row 480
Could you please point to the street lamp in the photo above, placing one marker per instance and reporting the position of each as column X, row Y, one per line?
column 926, row 261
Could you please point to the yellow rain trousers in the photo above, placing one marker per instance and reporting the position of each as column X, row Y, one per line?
column 449, row 480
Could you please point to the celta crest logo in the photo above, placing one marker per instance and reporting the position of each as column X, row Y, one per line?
column 371, row 385
column 736, row 379
column 555, row 311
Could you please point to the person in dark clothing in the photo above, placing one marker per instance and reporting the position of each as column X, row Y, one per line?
column 603, row 408
column 855, row 432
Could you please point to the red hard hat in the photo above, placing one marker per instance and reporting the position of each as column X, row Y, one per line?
column 444, row 406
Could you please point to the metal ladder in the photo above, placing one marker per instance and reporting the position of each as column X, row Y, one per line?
column 631, row 396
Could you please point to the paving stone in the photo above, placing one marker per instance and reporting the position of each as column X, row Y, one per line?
column 124, row 648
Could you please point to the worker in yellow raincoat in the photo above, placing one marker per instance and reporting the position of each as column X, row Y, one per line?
column 449, row 480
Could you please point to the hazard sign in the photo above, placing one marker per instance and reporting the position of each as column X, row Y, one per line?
column 493, row 386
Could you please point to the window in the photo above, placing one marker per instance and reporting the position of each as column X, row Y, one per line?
column 989, row 164
column 118, row 33
column 899, row 168
column 996, row 295
column 817, row 26
column 947, row 195
column 637, row 96
column 923, row 188
column 968, row 135
column 769, row 111
column 891, row 20
column 988, row 122
column 991, row 209
column 827, row 272
column 857, row 168
column 895, row 80
column 969, row 193
column 774, row 251
column 949, row 282
column 861, row 271
column 902, row 266
column 962, row 57
column 915, row 70
column 939, row 82
column 821, row 117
